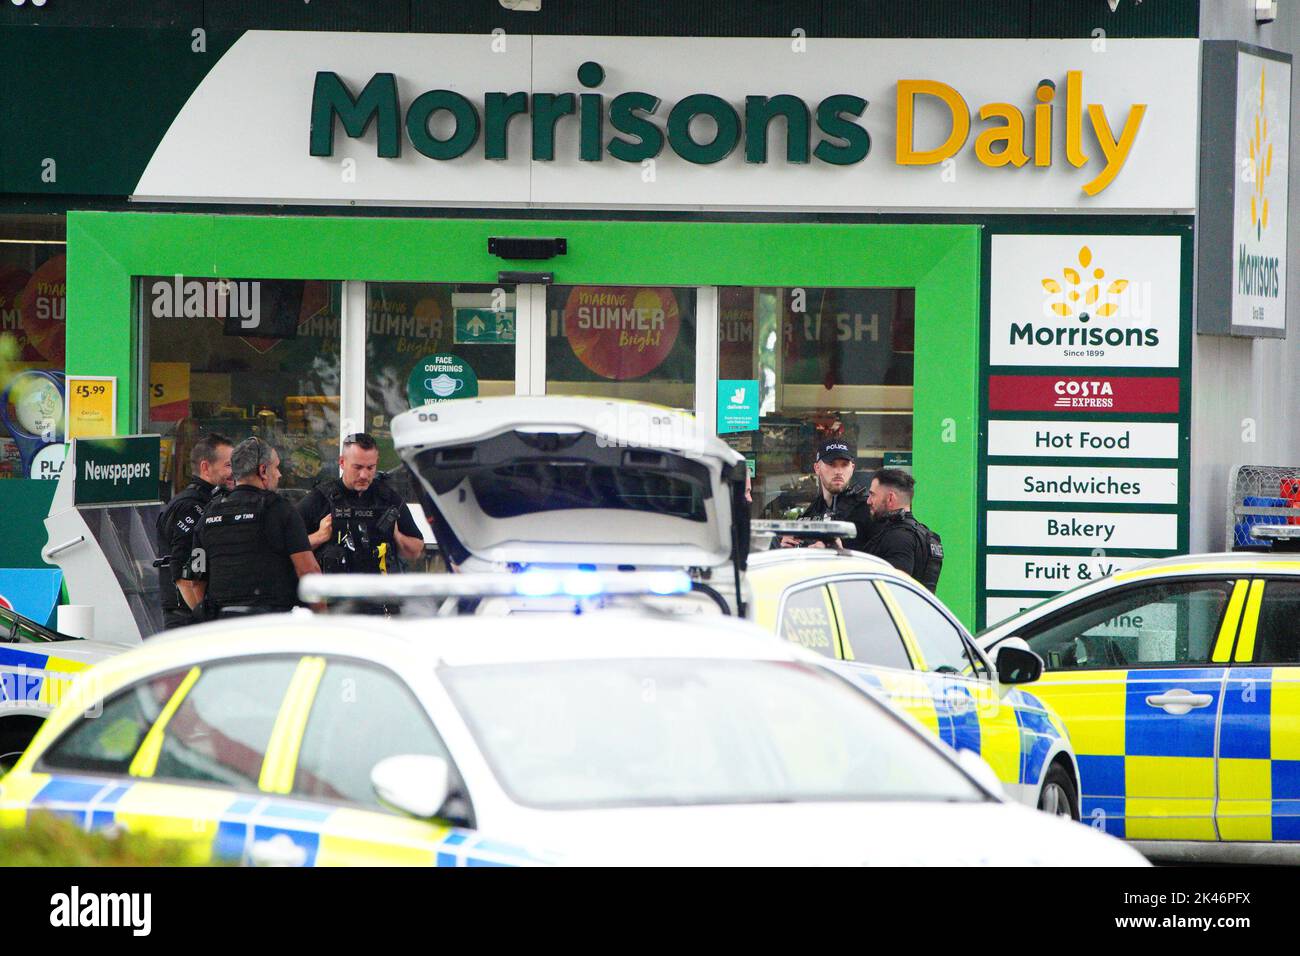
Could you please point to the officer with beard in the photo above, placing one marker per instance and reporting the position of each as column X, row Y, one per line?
column 900, row 539
column 838, row 499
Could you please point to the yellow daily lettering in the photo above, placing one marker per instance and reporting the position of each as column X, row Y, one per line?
column 1116, row 153
column 1003, row 142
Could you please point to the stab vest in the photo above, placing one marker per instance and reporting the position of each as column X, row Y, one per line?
column 197, row 495
column 930, row 547
column 361, row 525
column 242, row 569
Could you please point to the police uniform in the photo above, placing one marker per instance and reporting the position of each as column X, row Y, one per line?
column 177, row 523
column 848, row 505
column 362, row 540
column 247, row 537
column 909, row 546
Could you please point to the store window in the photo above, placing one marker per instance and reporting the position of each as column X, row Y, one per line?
column 410, row 328
column 244, row 357
column 33, row 317
column 816, row 363
column 632, row 342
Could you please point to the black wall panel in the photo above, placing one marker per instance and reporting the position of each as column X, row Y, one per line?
column 830, row 18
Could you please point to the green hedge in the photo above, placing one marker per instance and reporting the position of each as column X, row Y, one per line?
column 49, row 840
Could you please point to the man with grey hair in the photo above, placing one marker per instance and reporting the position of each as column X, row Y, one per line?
column 252, row 541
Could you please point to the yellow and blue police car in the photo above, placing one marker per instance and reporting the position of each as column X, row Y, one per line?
column 1179, row 681
column 895, row 636
column 37, row 665
column 300, row 740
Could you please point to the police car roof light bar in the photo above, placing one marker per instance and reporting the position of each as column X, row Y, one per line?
column 802, row 528
column 535, row 583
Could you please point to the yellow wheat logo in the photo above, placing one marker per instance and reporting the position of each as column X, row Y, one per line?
column 1261, row 165
column 1082, row 289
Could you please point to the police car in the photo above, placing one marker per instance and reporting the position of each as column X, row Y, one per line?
column 37, row 665
column 1179, row 681
column 895, row 636
column 536, row 483
column 300, row 740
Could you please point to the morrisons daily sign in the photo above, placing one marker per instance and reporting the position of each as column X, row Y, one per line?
column 1006, row 140
column 689, row 123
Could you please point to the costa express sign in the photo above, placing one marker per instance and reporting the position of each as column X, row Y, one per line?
column 1051, row 393
column 1011, row 136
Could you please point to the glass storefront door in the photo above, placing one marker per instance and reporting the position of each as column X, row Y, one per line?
column 631, row 342
column 823, row 361
column 410, row 326
column 826, row 363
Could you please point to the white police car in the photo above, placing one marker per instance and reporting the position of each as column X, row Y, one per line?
column 301, row 740
column 561, row 483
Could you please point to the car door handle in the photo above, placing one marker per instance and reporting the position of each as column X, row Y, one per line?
column 1179, row 701
column 277, row 851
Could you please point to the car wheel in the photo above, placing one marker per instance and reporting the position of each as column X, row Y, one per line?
column 1059, row 796
column 15, row 734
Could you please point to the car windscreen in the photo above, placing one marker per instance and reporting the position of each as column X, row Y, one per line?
column 582, row 734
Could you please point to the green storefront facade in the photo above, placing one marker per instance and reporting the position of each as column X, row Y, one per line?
column 107, row 251
column 917, row 244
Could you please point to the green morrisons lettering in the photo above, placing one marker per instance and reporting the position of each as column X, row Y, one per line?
column 331, row 98
column 1030, row 334
column 841, row 141
column 1257, row 275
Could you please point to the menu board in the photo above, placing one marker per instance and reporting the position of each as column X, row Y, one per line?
column 1084, row 458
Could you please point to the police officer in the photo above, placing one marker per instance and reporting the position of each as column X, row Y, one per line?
column 838, row 499
column 902, row 540
column 252, row 542
column 177, row 522
column 357, row 522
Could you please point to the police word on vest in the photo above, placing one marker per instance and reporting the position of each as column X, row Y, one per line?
column 360, row 542
column 930, row 547
column 242, row 570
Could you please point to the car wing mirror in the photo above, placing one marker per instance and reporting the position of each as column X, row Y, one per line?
column 415, row 784
column 1016, row 663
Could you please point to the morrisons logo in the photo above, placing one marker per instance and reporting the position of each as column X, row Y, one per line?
column 1257, row 275
column 1030, row 334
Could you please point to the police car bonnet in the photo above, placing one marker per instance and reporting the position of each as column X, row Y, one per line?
column 568, row 481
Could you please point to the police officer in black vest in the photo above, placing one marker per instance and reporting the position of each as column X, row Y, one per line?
column 252, row 541
column 177, row 522
column 358, row 523
column 902, row 540
column 838, row 499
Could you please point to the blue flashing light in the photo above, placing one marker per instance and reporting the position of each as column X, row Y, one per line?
column 582, row 584
column 537, row 584
column 671, row 582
